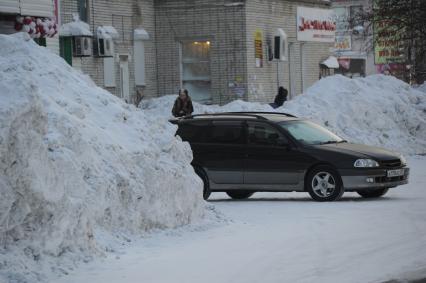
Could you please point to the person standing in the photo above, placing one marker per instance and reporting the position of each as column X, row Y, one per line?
column 183, row 104
column 280, row 98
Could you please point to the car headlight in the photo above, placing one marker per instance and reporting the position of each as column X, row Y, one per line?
column 365, row 163
column 403, row 160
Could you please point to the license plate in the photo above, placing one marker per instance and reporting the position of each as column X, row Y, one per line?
column 395, row 173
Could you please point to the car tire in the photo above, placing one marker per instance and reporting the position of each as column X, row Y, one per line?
column 206, row 185
column 373, row 193
column 239, row 194
column 323, row 183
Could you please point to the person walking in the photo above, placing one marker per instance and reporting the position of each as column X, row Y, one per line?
column 280, row 98
column 183, row 104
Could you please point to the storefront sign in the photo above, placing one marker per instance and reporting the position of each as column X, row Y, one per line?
column 315, row 24
column 388, row 47
column 387, row 44
column 258, row 48
column 343, row 43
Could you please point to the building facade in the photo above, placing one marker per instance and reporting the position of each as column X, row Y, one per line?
column 225, row 48
column 219, row 50
column 354, row 43
column 129, row 69
column 37, row 17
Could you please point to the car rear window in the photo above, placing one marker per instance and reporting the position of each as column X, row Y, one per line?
column 226, row 132
column 193, row 132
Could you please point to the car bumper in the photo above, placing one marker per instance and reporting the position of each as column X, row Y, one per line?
column 354, row 180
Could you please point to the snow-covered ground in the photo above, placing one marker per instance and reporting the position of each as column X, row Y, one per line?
column 84, row 175
column 285, row 237
column 81, row 171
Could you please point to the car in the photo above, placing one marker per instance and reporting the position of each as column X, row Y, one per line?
column 241, row 153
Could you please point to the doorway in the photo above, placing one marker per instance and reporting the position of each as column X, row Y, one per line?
column 124, row 78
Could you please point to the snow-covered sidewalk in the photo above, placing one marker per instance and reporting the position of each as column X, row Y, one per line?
column 284, row 237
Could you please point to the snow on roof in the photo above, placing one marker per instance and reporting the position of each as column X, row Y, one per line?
column 75, row 28
column 331, row 62
column 107, row 32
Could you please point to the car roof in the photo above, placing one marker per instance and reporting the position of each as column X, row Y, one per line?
column 265, row 116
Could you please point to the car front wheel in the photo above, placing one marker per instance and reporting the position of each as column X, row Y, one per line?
column 323, row 183
column 239, row 194
column 373, row 193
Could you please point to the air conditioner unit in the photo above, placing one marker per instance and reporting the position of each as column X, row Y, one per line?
column 82, row 46
column 105, row 47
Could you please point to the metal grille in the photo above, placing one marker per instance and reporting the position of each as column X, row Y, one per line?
column 391, row 163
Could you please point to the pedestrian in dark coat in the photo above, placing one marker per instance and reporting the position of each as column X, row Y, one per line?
column 280, row 98
column 183, row 104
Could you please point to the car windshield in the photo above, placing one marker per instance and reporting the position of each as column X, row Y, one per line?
column 310, row 133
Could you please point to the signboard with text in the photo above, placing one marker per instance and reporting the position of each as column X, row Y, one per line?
column 315, row 24
column 388, row 46
column 258, row 48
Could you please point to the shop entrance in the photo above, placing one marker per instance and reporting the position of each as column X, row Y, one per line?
column 195, row 70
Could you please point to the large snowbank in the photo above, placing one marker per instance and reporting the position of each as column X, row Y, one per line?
column 376, row 110
column 422, row 87
column 79, row 166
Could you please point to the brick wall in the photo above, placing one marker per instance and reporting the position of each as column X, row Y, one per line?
column 217, row 21
column 302, row 69
column 124, row 16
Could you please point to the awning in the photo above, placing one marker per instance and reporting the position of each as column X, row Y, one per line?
column 331, row 63
column 107, row 32
column 140, row 34
column 75, row 28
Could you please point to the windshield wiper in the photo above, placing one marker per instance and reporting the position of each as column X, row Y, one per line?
column 330, row 142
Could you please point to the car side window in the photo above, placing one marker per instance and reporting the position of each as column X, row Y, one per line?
column 263, row 134
column 226, row 132
column 193, row 132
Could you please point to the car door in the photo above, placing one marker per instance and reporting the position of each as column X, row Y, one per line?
column 271, row 159
column 222, row 152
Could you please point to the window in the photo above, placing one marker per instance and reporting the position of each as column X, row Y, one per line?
column 261, row 134
column 356, row 16
column 226, row 133
column 196, row 69
column 194, row 132
column 310, row 133
column 342, row 19
column 82, row 10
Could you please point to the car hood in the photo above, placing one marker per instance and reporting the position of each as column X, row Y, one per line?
column 360, row 150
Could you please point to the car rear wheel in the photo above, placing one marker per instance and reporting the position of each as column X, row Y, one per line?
column 206, row 188
column 323, row 183
column 239, row 194
column 373, row 193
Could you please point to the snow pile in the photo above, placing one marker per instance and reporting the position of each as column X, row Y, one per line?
column 79, row 166
column 422, row 87
column 377, row 110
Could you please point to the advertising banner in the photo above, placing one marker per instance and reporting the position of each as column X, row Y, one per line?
column 343, row 43
column 388, row 47
column 315, row 24
column 258, row 48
